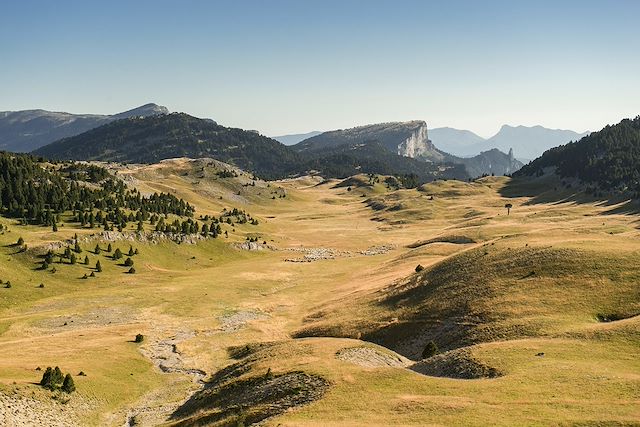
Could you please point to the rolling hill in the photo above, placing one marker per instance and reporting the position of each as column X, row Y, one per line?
column 25, row 131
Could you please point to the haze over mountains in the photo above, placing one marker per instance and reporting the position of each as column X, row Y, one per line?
column 527, row 142
column 24, row 131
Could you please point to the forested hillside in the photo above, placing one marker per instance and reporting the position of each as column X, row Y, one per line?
column 151, row 139
column 37, row 192
column 608, row 159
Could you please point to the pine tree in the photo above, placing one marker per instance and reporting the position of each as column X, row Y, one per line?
column 54, row 228
column 97, row 249
column 72, row 258
column 98, row 266
column 20, row 241
column 117, row 254
column 131, row 253
column 77, row 248
column 109, row 248
column 86, row 260
column 68, row 385
column 46, row 377
column 128, row 262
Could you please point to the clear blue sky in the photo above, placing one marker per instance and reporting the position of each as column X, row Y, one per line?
column 294, row 66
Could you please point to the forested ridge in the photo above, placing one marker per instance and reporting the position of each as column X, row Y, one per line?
column 607, row 159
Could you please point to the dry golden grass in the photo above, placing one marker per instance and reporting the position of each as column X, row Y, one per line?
column 208, row 297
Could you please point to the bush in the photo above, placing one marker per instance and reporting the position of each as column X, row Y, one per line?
column 429, row 350
column 419, row 268
column 139, row 338
column 132, row 271
column 20, row 241
column 128, row 262
column 98, row 266
column 41, row 285
column 117, row 254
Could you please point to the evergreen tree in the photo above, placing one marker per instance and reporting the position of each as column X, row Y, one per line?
column 128, row 262
column 117, row 254
column 98, row 266
column 109, row 248
column 68, row 385
column 72, row 258
column 97, row 249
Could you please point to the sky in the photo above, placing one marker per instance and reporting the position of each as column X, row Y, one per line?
column 294, row 66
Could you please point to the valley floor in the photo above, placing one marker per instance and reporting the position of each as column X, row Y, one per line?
column 323, row 321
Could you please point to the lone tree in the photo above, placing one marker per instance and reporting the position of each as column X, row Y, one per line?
column 429, row 350
column 139, row 338
column 508, row 206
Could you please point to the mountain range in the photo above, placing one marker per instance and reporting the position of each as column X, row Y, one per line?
column 24, row 131
column 295, row 138
column 410, row 140
column 527, row 142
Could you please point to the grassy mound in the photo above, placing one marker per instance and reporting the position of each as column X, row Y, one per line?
column 458, row 363
column 492, row 293
column 243, row 393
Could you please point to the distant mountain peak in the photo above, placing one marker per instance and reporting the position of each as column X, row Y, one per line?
column 24, row 131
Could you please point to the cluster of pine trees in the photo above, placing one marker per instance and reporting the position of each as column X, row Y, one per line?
column 37, row 193
column 54, row 379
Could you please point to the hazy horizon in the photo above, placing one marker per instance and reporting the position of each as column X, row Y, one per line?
column 291, row 67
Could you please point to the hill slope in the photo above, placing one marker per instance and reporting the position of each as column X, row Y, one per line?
column 608, row 158
column 155, row 138
column 24, row 131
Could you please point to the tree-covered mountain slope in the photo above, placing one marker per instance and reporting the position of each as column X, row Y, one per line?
column 608, row 159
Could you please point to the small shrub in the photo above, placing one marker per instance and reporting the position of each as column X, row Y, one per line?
column 429, row 350
column 132, row 271
column 139, row 338
column 128, row 262
column 20, row 241
column 419, row 268
column 98, row 266
column 41, row 285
